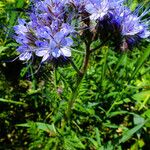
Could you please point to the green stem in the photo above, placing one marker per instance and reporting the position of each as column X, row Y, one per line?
column 117, row 100
column 33, row 79
column 112, row 106
column 34, row 86
column 80, row 76
column 75, row 67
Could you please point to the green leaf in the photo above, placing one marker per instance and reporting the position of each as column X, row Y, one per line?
column 2, row 48
column 95, row 144
column 140, row 62
column 138, row 119
column 121, row 61
column 98, row 137
column 146, row 113
column 142, row 95
column 13, row 15
column 42, row 126
column 104, row 66
column 13, row 102
column 110, row 125
column 128, row 134
column 116, row 113
column 142, row 98
column 2, row 7
column 72, row 142
column 24, row 70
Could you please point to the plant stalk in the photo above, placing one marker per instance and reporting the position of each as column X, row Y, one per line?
column 80, row 76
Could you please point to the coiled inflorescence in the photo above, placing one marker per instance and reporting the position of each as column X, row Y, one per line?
column 53, row 24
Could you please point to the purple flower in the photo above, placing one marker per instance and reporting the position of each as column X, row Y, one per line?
column 26, row 52
column 21, row 28
column 52, row 24
column 99, row 8
column 25, row 37
column 54, row 45
column 122, row 26
column 43, row 32
column 46, row 34
column 133, row 27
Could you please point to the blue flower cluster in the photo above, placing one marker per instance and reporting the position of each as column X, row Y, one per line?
column 52, row 24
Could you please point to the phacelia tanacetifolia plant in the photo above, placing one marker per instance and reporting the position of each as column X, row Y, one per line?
column 54, row 25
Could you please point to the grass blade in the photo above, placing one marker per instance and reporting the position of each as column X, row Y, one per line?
column 140, row 62
column 130, row 132
column 11, row 101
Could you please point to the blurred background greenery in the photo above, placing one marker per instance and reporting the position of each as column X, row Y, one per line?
column 111, row 110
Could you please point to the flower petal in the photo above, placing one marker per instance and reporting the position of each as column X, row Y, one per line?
column 66, row 51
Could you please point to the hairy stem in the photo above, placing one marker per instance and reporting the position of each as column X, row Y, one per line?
column 75, row 67
column 80, row 76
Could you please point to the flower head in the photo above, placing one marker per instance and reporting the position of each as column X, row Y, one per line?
column 122, row 25
column 52, row 23
column 46, row 35
column 133, row 27
column 55, row 45
column 99, row 8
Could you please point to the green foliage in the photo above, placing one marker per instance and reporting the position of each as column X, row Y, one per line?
column 111, row 104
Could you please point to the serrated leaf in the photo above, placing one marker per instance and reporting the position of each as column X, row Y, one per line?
column 2, row 48
column 72, row 142
column 42, row 126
